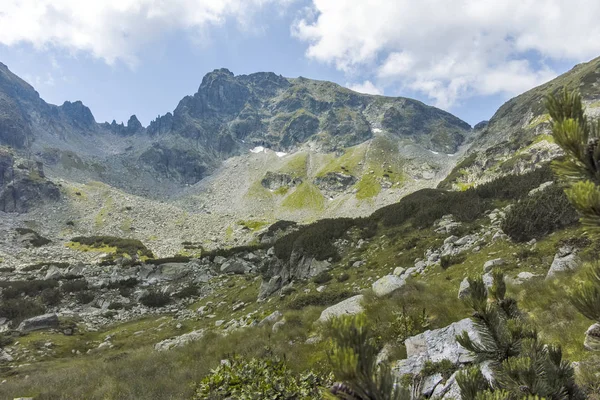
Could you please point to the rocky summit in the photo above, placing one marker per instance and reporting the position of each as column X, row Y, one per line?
column 284, row 238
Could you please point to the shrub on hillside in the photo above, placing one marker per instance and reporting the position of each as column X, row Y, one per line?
column 50, row 296
column 14, row 289
column 260, row 378
column 450, row 260
column 322, row 278
column 74, row 286
column 325, row 298
column 130, row 247
column 155, row 299
column 85, row 297
column 17, row 310
column 538, row 215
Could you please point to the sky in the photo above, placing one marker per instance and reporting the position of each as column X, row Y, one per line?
column 124, row 57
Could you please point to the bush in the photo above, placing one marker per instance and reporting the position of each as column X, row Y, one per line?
column 322, row 278
column 14, row 289
column 325, row 298
column 51, row 296
column 17, row 310
column 85, row 297
column 188, row 291
column 74, row 286
column 37, row 240
column 539, row 215
column 343, row 277
column 128, row 283
column 450, row 260
column 155, row 299
column 130, row 247
column 444, row 367
column 264, row 378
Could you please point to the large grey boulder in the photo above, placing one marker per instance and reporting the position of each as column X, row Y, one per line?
column 436, row 345
column 5, row 357
column 46, row 321
column 465, row 289
column 592, row 338
column 387, row 285
column 236, row 266
column 565, row 259
column 271, row 318
column 350, row 306
column 490, row 264
column 179, row 341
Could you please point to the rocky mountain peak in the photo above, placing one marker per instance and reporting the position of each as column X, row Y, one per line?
column 79, row 114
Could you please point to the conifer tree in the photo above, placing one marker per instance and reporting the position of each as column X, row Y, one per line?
column 523, row 366
column 579, row 171
column 354, row 361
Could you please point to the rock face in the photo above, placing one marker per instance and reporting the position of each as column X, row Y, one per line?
column 436, row 345
column 335, row 182
column 23, row 184
column 46, row 321
column 350, row 306
column 489, row 265
column 564, row 260
column 387, row 285
column 179, row 341
column 274, row 181
column 592, row 338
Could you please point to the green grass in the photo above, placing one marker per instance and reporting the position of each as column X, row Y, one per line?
column 367, row 187
column 540, row 119
column 253, row 225
column 305, row 196
column 348, row 163
column 295, row 165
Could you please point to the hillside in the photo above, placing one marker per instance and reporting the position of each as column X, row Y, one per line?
column 517, row 137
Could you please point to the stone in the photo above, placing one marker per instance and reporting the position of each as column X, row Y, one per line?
column 53, row 273
column 46, row 321
column 350, row 306
column 465, row 289
column 488, row 280
column 592, row 338
column 490, row 264
column 398, row 271
column 179, row 341
column 271, row 318
column 387, row 285
column 436, row 345
column 236, row 266
column 448, row 391
column 358, row 264
column 430, row 383
column 451, row 239
column 5, row 357
column 278, row 325
column 565, row 259
column 524, row 277
column 219, row 322
column 321, row 288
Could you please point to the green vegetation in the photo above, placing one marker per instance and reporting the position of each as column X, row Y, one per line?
column 36, row 239
column 236, row 378
column 538, row 215
column 117, row 247
column 367, row 187
column 523, row 365
column 305, row 196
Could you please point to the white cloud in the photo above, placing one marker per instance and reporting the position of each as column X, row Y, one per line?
column 115, row 29
column 366, row 87
column 451, row 50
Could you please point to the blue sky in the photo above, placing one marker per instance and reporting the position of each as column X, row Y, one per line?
column 142, row 56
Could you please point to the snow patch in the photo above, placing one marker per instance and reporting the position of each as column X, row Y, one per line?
column 376, row 130
column 434, row 152
column 257, row 149
column 280, row 154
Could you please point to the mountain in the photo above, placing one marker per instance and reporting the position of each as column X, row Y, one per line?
column 517, row 138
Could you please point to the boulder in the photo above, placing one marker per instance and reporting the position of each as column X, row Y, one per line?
column 236, row 266
column 5, row 357
column 565, row 259
column 398, row 271
column 465, row 289
column 271, row 318
column 592, row 338
column 436, row 345
column 524, row 277
column 179, row 341
column 46, row 321
column 449, row 390
column 350, row 306
column 491, row 264
column 53, row 273
column 387, row 285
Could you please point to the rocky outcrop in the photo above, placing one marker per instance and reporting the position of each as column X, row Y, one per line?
column 179, row 341
column 335, row 182
column 350, row 306
column 46, row 321
column 387, row 285
column 565, row 259
column 436, row 345
column 23, row 184
column 276, row 180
